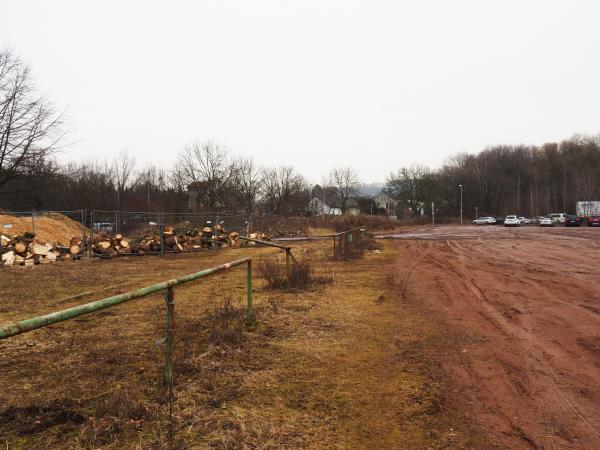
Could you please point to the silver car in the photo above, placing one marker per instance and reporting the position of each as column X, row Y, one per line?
column 484, row 221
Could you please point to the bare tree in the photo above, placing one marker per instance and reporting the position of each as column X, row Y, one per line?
column 248, row 183
column 207, row 171
column 284, row 191
column 346, row 182
column 29, row 126
column 414, row 186
column 152, row 181
column 122, row 170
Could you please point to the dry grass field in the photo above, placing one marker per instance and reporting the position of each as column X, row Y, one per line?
column 345, row 364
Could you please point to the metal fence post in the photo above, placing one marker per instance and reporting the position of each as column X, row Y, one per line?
column 83, row 246
column 216, row 232
column 162, row 239
column 287, row 268
column 168, row 377
column 249, row 312
column 90, row 252
column 169, row 318
column 33, row 222
column 334, row 252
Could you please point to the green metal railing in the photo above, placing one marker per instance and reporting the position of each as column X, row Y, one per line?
column 288, row 255
column 348, row 244
column 23, row 326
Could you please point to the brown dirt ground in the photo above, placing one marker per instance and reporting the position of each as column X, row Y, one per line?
column 523, row 308
column 358, row 363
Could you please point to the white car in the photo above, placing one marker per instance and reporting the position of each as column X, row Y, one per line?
column 558, row 217
column 512, row 221
column 484, row 221
column 525, row 220
column 546, row 222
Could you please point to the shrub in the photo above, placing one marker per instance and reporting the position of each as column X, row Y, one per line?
column 226, row 320
column 302, row 277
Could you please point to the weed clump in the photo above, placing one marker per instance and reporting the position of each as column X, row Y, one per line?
column 226, row 320
column 302, row 273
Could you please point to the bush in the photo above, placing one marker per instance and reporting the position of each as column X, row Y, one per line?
column 302, row 277
column 227, row 320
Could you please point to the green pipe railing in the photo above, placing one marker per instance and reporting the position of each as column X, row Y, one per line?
column 288, row 255
column 338, row 238
column 23, row 326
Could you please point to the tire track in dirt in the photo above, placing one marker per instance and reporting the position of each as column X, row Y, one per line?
column 556, row 428
column 557, row 418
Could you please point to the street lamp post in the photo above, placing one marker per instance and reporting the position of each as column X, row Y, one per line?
column 461, row 209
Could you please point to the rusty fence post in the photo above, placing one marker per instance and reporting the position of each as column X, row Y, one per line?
column 249, row 311
column 90, row 250
column 83, row 243
column 334, row 248
column 288, row 270
column 169, row 318
column 168, row 375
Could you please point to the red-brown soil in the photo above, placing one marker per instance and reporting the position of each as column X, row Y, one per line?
column 523, row 306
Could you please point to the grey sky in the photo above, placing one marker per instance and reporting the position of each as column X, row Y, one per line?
column 375, row 85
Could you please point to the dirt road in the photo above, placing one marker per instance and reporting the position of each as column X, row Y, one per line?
column 524, row 305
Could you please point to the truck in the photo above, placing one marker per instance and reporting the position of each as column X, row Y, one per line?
column 588, row 208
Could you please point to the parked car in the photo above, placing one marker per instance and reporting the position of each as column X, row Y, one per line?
column 484, row 221
column 525, row 221
column 499, row 221
column 546, row 222
column 572, row 221
column 107, row 227
column 594, row 221
column 558, row 217
column 512, row 221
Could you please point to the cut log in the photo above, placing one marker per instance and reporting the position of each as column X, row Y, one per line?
column 74, row 250
column 103, row 245
column 20, row 247
column 124, row 244
column 8, row 258
column 39, row 249
column 171, row 241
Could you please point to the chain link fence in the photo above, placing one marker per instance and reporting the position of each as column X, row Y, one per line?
column 38, row 237
column 138, row 233
column 349, row 244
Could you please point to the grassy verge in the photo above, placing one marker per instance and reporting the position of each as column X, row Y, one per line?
column 343, row 365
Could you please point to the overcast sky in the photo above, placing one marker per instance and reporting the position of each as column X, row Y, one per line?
column 315, row 84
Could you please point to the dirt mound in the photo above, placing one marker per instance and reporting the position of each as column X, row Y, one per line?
column 52, row 228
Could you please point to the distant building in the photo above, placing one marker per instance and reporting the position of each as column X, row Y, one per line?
column 352, row 207
column 318, row 207
column 386, row 202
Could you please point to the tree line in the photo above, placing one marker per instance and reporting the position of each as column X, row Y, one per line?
column 501, row 180
column 205, row 178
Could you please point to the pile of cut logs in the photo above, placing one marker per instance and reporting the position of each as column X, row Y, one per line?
column 173, row 241
column 25, row 250
column 104, row 244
